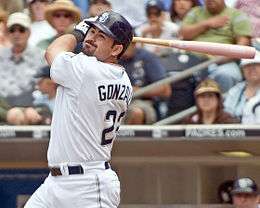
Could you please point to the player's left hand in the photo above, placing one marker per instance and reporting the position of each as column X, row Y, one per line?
column 81, row 29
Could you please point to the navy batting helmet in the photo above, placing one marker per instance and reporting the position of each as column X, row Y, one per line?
column 115, row 26
column 245, row 185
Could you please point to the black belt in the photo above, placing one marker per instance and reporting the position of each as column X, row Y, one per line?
column 72, row 170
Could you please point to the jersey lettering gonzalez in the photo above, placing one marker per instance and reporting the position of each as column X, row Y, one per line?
column 114, row 92
column 91, row 95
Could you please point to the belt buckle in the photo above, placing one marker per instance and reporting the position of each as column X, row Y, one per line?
column 64, row 169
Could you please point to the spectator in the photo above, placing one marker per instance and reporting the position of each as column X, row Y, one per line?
column 40, row 28
column 157, row 27
column 224, row 192
column 230, row 3
column 12, row 6
column 134, row 10
column 178, row 61
column 83, row 5
column 215, row 22
column 41, row 110
column 4, row 107
column 143, row 68
column 45, row 95
column 252, row 8
column 19, row 63
column 256, row 43
column 243, row 97
column 209, row 105
column 61, row 14
column 97, row 7
column 245, row 193
column 179, row 9
column 4, row 40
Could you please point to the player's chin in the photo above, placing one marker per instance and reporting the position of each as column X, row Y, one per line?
column 87, row 51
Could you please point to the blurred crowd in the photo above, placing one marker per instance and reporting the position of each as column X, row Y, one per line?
column 227, row 91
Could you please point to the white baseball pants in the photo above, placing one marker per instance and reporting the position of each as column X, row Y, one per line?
column 93, row 189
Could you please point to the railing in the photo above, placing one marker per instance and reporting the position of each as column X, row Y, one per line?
column 175, row 78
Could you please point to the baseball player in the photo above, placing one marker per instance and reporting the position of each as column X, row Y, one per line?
column 245, row 193
column 92, row 98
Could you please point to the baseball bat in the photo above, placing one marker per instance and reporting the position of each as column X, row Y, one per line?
column 219, row 49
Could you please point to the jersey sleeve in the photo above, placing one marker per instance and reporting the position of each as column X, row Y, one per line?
column 66, row 70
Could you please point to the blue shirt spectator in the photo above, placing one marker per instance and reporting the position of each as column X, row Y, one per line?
column 144, row 68
column 240, row 96
column 83, row 5
column 236, row 99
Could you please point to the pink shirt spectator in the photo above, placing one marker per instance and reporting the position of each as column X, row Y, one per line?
column 252, row 8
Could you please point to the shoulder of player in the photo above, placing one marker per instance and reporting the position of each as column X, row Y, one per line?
column 80, row 58
column 127, row 79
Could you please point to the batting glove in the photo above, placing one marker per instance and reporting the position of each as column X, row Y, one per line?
column 81, row 29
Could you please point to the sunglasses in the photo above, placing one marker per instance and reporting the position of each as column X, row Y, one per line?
column 19, row 29
column 42, row 1
column 59, row 15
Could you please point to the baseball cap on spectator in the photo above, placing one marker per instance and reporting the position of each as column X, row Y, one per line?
column 255, row 60
column 19, row 18
column 44, row 72
column 157, row 4
column 62, row 5
column 100, row 1
column 245, row 186
column 207, row 85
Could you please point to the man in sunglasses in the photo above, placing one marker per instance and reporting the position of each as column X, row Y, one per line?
column 245, row 193
column 19, row 63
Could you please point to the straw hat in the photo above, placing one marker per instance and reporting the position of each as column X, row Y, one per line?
column 64, row 5
column 3, row 15
column 207, row 85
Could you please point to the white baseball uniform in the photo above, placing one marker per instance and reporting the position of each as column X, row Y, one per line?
column 91, row 100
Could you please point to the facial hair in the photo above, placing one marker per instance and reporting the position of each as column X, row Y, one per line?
column 89, row 48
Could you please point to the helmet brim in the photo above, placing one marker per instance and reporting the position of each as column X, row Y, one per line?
column 103, row 28
column 244, row 191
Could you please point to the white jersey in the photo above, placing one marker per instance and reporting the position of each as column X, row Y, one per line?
column 92, row 98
